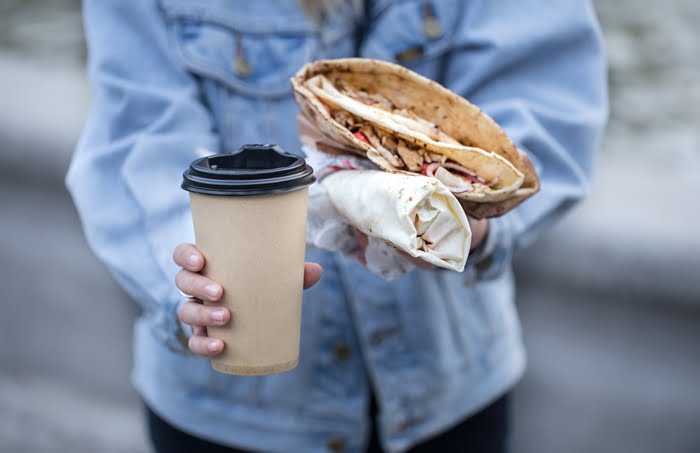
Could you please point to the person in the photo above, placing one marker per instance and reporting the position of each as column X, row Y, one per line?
column 424, row 363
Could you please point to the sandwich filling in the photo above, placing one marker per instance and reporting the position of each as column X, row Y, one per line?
column 400, row 136
column 409, row 156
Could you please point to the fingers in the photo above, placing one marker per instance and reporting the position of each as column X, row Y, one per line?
column 200, row 344
column 200, row 316
column 477, row 223
column 480, row 230
column 188, row 257
column 312, row 274
column 198, row 286
column 196, row 314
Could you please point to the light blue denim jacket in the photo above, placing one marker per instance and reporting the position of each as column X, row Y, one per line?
column 435, row 345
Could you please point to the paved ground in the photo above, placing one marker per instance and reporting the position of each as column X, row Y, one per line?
column 605, row 374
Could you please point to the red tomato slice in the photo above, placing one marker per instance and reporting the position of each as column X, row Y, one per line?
column 360, row 136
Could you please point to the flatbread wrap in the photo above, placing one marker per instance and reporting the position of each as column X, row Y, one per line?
column 414, row 214
column 406, row 123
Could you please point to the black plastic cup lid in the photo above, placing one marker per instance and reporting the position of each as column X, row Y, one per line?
column 252, row 170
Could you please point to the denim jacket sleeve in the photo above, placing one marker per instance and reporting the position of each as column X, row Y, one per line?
column 538, row 68
column 145, row 125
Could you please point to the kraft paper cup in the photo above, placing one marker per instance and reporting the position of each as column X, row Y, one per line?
column 249, row 214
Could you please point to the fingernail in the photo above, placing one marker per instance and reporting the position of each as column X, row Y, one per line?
column 194, row 260
column 213, row 346
column 212, row 290
column 218, row 315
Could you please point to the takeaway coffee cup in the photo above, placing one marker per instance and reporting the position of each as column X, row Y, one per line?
column 249, row 215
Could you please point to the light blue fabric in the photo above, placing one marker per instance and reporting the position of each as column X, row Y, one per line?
column 435, row 345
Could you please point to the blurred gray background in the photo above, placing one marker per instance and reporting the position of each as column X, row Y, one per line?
column 610, row 298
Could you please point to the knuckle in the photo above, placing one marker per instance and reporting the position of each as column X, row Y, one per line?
column 202, row 315
column 182, row 312
column 179, row 254
column 186, row 282
column 180, row 280
column 189, row 313
column 192, row 344
column 193, row 284
column 193, row 315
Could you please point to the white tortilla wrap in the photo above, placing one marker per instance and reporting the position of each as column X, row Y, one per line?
column 415, row 214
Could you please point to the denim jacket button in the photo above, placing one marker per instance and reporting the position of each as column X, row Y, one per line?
column 242, row 66
column 431, row 25
column 336, row 445
column 432, row 28
column 342, row 352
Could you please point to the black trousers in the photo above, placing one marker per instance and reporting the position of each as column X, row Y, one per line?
column 483, row 432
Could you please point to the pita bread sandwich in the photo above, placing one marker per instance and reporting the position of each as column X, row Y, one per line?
column 406, row 123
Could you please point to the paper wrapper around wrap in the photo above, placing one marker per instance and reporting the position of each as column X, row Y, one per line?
column 413, row 214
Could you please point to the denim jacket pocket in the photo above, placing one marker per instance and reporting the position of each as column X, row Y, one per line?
column 244, row 48
column 413, row 32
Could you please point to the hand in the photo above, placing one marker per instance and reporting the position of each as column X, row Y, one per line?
column 199, row 316
column 480, row 231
